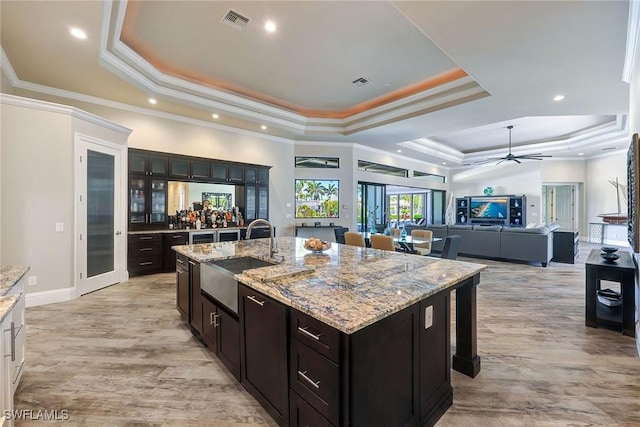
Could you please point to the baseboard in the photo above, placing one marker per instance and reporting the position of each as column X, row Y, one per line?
column 50, row 297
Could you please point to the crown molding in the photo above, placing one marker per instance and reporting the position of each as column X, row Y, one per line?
column 52, row 107
column 6, row 66
column 130, row 66
column 633, row 39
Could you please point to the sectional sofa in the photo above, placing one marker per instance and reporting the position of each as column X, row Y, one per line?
column 495, row 241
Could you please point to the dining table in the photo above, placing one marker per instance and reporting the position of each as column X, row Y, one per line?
column 405, row 242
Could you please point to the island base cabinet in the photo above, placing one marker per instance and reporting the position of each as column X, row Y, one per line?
column 221, row 333
column 263, row 352
column 436, row 394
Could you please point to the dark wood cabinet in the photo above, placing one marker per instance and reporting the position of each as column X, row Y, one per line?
column 182, row 286
column 256, row 175
column 302, row 414
column 565, row 246
column 147, row 163
column 263, row 349
column 256, row 201
column 195, row 296
column 226, row 172
column 189, row 169
column 144, row 255
column 221, row 333
column 169, row 256
column 147, row 201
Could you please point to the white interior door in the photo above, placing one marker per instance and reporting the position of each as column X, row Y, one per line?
column 100, row 241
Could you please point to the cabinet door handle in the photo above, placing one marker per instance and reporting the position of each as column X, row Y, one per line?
column 253, row 298
column 315, row 384
column 145, row 249
column 145, row 263
column 192, row 263
column 309, row 334
column 213, row 319
column 118, row 233
column 13, row 342
column 146, row 238
column 176, row 236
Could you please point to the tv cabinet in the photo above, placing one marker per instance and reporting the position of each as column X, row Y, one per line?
column 516, row 209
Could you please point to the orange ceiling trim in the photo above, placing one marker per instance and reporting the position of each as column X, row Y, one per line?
column 129, row 37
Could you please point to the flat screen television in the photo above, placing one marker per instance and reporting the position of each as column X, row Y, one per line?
column 488, row 208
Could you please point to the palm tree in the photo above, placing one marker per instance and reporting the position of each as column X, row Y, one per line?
column 331, row 190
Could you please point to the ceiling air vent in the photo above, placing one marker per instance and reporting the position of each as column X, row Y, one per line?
column 361, row 81
column 235, row 20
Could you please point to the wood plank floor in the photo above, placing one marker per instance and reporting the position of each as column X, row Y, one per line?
column 121, row 356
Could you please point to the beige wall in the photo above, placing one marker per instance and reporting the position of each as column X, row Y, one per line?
column 38, row 189
column 5, row 85
column 37, row 192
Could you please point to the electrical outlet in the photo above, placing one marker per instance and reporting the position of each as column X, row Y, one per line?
column 33, row 280
column 428, row 317
column 59, row 226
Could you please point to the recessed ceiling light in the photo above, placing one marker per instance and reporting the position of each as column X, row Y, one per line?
column 78, row 33
column 558, row 98
column 263, row 127
column 580, row 154
column 270, row 26
column 399, row 151
column 215, row 116
column 152, row 101
column 444, row 163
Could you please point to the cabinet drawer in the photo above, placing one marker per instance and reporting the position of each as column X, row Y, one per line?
column 316, row 379
column 302, row 414
column 319, row 336
column 145, row 238
column 145, row 265
column 144, row 249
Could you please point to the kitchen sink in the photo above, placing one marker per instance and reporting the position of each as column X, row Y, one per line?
column 216, row 278
column 238, row 265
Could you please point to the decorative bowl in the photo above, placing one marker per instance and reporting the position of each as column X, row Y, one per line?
column 316, row 245
column 608, row 249
column 610, row 257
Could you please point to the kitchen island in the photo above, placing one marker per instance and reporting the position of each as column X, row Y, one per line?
column 352, row 336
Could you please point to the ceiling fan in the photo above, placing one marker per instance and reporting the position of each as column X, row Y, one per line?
column 512, row 157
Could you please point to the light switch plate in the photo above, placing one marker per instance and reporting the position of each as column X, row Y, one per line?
column 33, row 280
column 59, row 226
column 428, row 317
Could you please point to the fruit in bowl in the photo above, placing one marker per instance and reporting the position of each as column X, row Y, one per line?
column 316, row 245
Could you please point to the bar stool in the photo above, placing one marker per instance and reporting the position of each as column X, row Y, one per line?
column 354, row 239
column 380, row 241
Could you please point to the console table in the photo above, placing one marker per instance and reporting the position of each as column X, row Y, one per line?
column 565, row 245
column 622, row 271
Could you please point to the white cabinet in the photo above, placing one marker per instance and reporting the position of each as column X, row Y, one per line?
column 12, row 345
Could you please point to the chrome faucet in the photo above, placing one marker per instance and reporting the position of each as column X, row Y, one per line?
column 272, row 244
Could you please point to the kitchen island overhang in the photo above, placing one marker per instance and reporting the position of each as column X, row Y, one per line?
column 367, row 296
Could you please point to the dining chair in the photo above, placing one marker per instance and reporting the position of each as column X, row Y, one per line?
column 422, row 248
column 380, row 241
column 396, row 232
column 339, row 233
column 354, row 239
column 451, row 246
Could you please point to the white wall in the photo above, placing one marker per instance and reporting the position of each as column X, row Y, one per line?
column 5, row 85
column 344, row 174
column 509, row 178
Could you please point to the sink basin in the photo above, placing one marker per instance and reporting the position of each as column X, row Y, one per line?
column 238, row 265
column 217, row 278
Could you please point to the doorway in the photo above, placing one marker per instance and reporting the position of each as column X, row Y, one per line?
column 100, row 243
column 559, row 205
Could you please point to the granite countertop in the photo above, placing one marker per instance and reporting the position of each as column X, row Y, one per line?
column 347, row 287
column 9, row 276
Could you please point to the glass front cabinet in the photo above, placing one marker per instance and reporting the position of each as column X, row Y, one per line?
column 147, row 201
